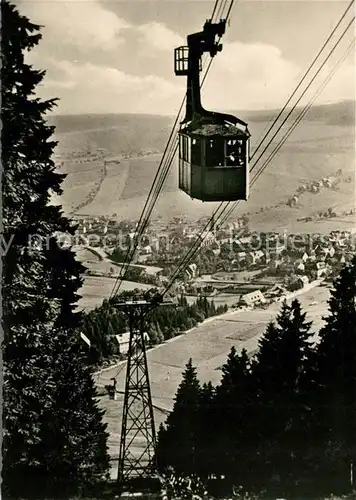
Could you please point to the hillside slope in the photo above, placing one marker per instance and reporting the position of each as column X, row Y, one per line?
column 322, row 144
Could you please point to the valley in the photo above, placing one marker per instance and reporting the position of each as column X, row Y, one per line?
column 208, row 345
column 131, row 153
column 108, row 181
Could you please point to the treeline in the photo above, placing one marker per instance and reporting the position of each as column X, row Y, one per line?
column 282, row 423
column 163, row 323
column 54, row 438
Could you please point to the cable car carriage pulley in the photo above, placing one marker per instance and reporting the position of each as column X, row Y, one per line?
column 213, row 147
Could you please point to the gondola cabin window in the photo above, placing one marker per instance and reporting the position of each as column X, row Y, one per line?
column 225, row 153
column 235, row 153
column 214, row 152
column 196, row 151
column 184, row 146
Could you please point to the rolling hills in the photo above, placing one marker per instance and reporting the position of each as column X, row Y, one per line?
column 322, row 144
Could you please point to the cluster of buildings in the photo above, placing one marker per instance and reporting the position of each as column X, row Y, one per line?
column 330, row 182
column 160, row 242
column 292, row 260
column 283, row 263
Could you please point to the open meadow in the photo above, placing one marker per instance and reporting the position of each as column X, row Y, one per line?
column 319, row 147
column 316, row 149
column 97, row 288
column 208, row 345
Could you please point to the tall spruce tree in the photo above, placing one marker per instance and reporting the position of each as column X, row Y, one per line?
column 207, row 435
column 233, row 400
column 336, row 383
column 182, row 424
column 54, row 441
column 280, row 371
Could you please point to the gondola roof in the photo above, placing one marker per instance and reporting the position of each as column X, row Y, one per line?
column 213, row 129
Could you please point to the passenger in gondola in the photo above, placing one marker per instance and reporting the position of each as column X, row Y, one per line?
column 232, row 160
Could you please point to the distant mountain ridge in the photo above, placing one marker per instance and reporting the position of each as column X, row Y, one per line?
column 340, row 113
column 322, row 144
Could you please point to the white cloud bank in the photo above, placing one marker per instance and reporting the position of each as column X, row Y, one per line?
column 81, row 24
column 243, row 76
column 157, row 37
column 92, row 89
column 257, row 76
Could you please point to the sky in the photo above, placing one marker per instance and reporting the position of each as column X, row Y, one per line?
column 107, row 56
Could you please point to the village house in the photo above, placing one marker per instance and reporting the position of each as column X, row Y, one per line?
column 253, row 258
column 192, row 271
column 302, row 281
column 154, row 243
column 312, row 256
column 123, row 340
column 216, row 250
column 339, row 238
column 275, row 248
column 146, row 250
column 208, row 238
column 317, row 270
column 241, row 256
column 245, row 240
column 275, row 291
column 142, row 258
column 252, row 298
column 299, row 266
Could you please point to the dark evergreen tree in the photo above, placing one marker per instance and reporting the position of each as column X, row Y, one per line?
column 280, row 371
column 162, row 450
column 183, row 422
column 54, row 439
column 234, row 401
column 207, row 433
column 336, row 382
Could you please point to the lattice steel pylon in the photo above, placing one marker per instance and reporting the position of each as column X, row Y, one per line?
column 138, row 436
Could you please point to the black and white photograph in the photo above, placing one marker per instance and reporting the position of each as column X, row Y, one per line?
column 178, row 249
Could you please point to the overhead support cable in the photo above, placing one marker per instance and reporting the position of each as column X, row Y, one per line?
column 304, row 110
column 221, row 208
column 214, row 9
column 304, row 77
column 308, row 86
column 156, row 187
column 220, row 10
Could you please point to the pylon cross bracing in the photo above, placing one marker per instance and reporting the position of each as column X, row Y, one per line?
column 138, row 436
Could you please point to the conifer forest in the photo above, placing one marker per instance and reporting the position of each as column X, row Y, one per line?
column 280, row 424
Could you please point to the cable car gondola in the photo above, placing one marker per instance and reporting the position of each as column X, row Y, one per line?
column 213, row 147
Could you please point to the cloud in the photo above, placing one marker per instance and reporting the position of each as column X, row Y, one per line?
column 249, row 77
column 87, row 88
column 257, row 76
column 80, row 47
column 340, row 87
column 87, row 24
column 82, row 24
column 156, row 36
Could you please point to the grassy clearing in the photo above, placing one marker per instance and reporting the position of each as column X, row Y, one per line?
column 314, row 150
column 208, row 345
column 97, row 288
